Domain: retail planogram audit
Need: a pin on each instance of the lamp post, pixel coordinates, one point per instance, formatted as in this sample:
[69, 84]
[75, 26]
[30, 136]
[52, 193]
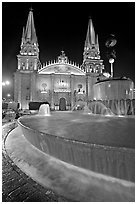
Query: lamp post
[111, 61]
[5, 84]
[111, 53]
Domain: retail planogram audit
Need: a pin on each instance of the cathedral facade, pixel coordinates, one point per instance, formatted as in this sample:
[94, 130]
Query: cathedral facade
[61, 83]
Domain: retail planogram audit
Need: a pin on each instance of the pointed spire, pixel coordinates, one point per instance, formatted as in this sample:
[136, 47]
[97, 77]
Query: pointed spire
[23, 37]
[90, 39]
[23, 33]
[30, 33]
[97, 43]
[91, 49]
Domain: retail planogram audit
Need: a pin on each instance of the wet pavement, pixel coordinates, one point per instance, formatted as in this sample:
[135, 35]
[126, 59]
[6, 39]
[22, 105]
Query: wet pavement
[16, 185]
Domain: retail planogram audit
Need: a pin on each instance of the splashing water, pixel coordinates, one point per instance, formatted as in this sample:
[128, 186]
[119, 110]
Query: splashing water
[94, 107]
[44, 110]
[99, 108]
[87, 110]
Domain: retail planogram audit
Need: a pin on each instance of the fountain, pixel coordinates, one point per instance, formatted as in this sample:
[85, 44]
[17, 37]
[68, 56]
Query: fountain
[97, 107]
[44, 110]
[86, 139]
[86, 110]
[79, 106]
[122, 107]
[98, 143]
[94, 107]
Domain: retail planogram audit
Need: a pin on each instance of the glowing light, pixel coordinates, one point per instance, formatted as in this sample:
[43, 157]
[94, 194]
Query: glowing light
[121, 116]
[109, 85]
[106, 74]
[111, 60]
[8, 95]
[107, 115]
[7, 82]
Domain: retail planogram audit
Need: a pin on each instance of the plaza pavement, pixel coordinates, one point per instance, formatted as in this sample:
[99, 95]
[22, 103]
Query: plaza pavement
[16, 185]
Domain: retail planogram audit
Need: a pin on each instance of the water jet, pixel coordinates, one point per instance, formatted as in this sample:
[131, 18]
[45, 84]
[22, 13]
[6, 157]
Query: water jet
[44, 110]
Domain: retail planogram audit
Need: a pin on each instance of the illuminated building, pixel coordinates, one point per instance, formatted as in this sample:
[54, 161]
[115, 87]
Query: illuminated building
[60, 82]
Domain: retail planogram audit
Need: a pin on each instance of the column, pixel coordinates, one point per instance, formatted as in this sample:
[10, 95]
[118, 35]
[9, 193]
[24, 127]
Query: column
[72, 90]
[19, 88]
[52, 92]
[33, 87]
[86, 88]
[18, 63]
[35, 64]
[27, 64]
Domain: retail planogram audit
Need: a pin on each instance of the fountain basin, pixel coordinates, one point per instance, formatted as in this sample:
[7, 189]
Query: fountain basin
[101, 144]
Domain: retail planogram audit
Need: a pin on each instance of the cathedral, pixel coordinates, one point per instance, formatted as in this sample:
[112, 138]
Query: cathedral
[61, 83]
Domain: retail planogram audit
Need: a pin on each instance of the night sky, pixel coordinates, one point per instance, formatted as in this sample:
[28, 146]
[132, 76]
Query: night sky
[63, 25]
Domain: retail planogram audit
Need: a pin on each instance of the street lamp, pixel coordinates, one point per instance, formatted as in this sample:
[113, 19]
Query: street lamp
[111, 53]
[4, 83]
[7, 82]
[111, 61]
[8, 95]
[5, 88]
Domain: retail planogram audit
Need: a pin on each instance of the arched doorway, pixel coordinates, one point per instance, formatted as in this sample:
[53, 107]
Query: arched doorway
[62, 104]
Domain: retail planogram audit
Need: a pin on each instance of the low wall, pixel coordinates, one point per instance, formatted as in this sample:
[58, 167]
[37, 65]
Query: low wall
[113, 161]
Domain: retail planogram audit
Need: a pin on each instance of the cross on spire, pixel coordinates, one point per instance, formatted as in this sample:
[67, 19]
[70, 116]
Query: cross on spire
[31, 9]
[62, 52]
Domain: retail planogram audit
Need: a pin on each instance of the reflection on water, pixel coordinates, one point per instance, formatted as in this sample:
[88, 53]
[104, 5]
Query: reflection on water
[110, 131]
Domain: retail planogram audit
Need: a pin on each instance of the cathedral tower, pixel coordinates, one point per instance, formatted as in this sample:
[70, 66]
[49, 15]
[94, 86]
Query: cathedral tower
[91, 55]
[28, 59]
[92, 64]
[28, 65]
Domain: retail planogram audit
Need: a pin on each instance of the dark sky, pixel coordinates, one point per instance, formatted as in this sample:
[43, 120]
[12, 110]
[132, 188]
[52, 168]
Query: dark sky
[63, 25]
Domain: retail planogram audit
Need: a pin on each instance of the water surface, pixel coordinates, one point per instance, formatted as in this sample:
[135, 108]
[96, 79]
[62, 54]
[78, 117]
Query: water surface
[109, 131]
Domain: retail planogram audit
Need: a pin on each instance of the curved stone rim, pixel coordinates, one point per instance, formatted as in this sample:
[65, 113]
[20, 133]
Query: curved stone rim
[71, 140]
[92, 186]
